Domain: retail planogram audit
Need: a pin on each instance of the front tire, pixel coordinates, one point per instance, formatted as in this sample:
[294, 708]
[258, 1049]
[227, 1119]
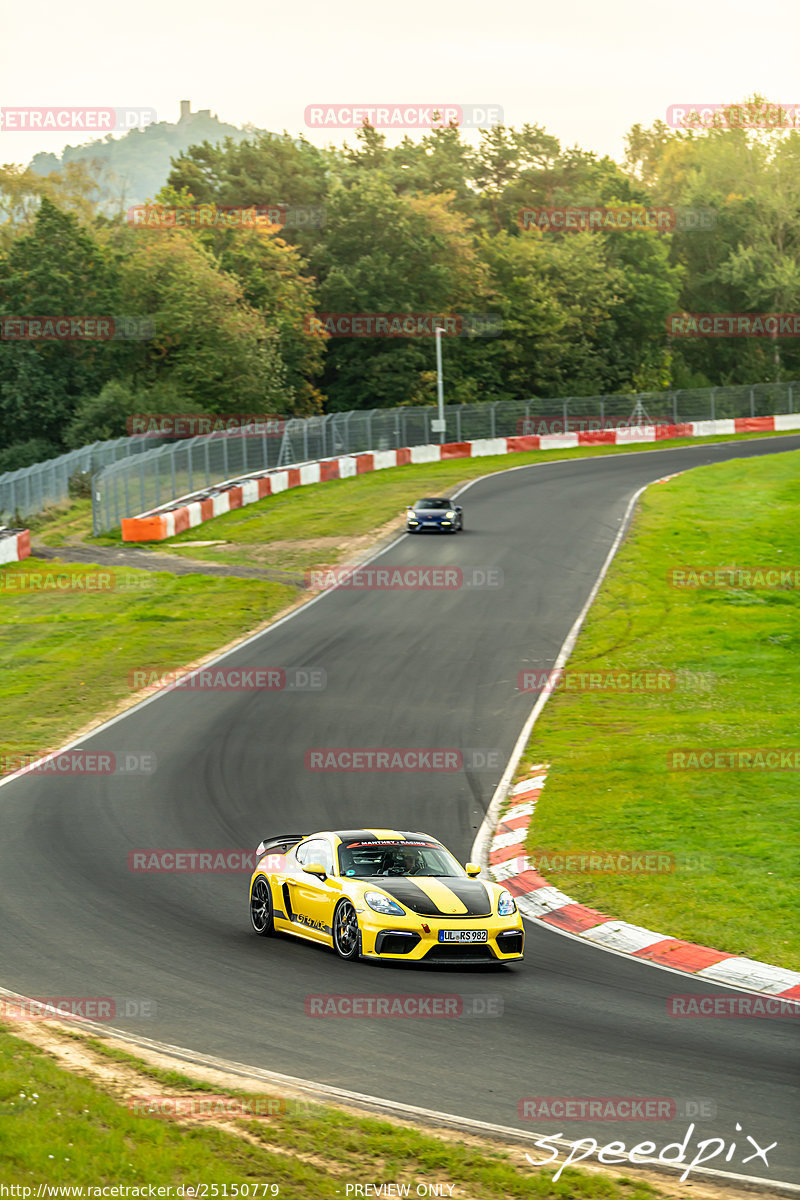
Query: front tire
[262, 916]
[346, 934]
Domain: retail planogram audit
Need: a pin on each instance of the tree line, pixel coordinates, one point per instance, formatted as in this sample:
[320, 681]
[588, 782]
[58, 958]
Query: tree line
[692, 221]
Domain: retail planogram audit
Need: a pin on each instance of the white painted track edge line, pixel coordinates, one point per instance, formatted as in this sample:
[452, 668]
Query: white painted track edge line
[327, 1093]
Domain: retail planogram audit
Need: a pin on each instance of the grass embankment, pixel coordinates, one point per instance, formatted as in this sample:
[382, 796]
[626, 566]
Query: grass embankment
[66, 656]
[734, 651]
[60, 1127]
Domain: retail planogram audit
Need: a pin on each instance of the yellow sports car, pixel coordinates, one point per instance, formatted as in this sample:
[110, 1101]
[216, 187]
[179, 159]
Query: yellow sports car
[382, 894]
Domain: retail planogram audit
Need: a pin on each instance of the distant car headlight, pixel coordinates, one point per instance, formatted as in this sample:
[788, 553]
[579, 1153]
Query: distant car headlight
[383, 904]
[506, 905]
[451, 515]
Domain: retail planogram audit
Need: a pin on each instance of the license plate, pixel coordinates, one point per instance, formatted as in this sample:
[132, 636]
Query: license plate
[463, 935]
[430, 524]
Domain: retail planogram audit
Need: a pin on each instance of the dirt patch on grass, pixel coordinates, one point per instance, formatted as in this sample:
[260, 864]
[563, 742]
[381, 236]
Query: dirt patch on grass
[70, 1046]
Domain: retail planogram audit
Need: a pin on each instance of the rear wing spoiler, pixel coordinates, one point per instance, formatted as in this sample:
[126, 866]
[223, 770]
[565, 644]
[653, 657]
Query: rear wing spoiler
[282, 843]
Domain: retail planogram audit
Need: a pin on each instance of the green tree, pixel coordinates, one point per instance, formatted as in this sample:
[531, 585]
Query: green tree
[57, 269]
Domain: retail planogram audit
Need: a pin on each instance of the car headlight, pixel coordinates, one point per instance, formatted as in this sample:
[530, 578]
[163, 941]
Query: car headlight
[383, 904]
[506, 905]
[450, 515]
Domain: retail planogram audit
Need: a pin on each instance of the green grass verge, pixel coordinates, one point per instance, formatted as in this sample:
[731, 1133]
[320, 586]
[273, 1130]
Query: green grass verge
[65, 657]
[735, 656]
[57, 1127]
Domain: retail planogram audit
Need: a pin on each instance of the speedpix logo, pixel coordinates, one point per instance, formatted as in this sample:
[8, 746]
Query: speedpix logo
[705, 1151]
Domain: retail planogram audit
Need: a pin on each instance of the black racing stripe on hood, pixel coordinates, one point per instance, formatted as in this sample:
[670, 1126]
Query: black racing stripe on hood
[472, 894]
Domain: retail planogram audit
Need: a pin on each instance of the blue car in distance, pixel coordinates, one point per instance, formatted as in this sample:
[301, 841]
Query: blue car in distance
[435, 512]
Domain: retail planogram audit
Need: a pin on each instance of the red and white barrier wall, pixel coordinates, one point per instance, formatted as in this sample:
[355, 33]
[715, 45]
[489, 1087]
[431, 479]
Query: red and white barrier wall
[176, 517]
[538, 900]
[15, 544]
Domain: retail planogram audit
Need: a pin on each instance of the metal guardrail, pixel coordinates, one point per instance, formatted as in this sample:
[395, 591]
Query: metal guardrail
[130, 475]
[128, 488]
[30, 490]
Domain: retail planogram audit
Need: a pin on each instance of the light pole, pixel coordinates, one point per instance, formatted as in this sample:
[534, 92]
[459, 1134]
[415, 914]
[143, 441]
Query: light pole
[439, 425]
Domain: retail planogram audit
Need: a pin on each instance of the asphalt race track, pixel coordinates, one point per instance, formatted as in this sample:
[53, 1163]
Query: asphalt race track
[417, 668]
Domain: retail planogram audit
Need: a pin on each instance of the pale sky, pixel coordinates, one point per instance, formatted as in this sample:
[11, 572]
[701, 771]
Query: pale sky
[586, 69]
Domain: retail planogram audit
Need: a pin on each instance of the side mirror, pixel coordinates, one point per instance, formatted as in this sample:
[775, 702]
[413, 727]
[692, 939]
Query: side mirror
[317, 869]
[472, 869]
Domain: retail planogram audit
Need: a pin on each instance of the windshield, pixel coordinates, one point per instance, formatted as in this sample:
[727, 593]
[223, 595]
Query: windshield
[432, 503]
[364, 860]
